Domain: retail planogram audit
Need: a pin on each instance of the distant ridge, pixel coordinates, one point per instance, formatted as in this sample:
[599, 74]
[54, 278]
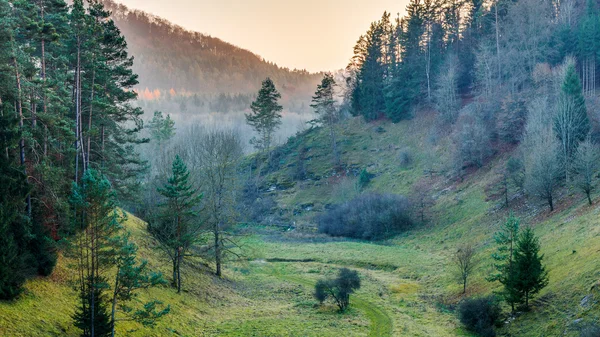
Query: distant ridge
[168, 56]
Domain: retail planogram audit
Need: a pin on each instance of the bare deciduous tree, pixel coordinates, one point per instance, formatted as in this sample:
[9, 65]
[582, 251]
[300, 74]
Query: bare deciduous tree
[220, 153]
[542, 168]
[585, 167]
[446, 94]
[466, 261]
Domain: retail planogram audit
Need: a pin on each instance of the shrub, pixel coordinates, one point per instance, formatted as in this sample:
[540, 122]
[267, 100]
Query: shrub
[406, 157]
[480, 315]
[369, 216]
[253, 205]
[364, 178]
[339, 289]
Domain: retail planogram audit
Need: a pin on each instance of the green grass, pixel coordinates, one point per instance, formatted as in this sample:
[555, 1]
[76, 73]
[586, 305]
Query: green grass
[408, 284]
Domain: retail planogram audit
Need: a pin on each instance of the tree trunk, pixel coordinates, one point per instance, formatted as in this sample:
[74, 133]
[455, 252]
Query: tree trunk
[114, 305]
[77, 107]
[217, 250]
[589, 197]
[174, 283]
[91, 115]
[19, 110]
[179, 257]
[498, 43]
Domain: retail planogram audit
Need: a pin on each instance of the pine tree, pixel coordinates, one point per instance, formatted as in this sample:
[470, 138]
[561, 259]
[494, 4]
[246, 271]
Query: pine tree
[14, 225]
[367, 94]
[177, 226]
[530, 276]
[324, 104]
[96, 222]
[266, 116]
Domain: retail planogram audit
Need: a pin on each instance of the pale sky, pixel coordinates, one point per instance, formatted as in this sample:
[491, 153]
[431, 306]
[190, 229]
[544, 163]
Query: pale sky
[305, 34]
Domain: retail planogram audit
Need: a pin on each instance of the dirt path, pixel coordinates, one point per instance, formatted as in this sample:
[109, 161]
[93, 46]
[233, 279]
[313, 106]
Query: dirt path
[381, 323]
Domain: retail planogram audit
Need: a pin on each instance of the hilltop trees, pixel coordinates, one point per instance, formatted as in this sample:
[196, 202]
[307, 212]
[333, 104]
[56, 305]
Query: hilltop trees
[266, 116]
[66, 76]
[176, 226]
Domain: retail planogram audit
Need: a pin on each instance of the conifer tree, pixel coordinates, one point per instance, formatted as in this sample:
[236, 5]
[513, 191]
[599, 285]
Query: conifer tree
[530, 276]
[131, 277]
[14, 236]
[324, 104]
[96, 223]
[161, 128]
[504, 258]
[177, 226]
[266, 116]
[571, 91]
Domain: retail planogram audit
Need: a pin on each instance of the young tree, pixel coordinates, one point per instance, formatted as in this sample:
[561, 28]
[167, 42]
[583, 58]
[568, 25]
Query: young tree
[506, 241]
[96, 221]
[530, 276]
[220, 153]
[266, 116]
[466, 261]
[421, 199]
[177, 227]
[323, 102]
[340, 288]
[131, 277]
[585, 167]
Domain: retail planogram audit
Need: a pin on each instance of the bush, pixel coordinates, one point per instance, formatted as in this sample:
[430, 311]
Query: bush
[406, 157]
[364, 178]
[339, 288]
[369, 216]
[253, 205]
[480, 315]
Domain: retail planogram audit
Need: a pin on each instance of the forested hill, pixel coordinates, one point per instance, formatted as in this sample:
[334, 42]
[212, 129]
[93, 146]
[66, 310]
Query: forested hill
[168, 56]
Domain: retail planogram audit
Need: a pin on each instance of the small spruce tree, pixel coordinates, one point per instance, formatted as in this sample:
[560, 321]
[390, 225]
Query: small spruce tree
[529, 275]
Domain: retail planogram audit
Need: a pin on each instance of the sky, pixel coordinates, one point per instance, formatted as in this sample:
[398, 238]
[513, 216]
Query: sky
[316, 35]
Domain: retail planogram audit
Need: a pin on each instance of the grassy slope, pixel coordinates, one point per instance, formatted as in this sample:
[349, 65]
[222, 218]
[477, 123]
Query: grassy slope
[464, 212]
[408, 287]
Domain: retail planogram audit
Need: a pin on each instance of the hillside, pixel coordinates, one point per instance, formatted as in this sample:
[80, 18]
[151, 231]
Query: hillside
[168, 57]
[408, 285]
